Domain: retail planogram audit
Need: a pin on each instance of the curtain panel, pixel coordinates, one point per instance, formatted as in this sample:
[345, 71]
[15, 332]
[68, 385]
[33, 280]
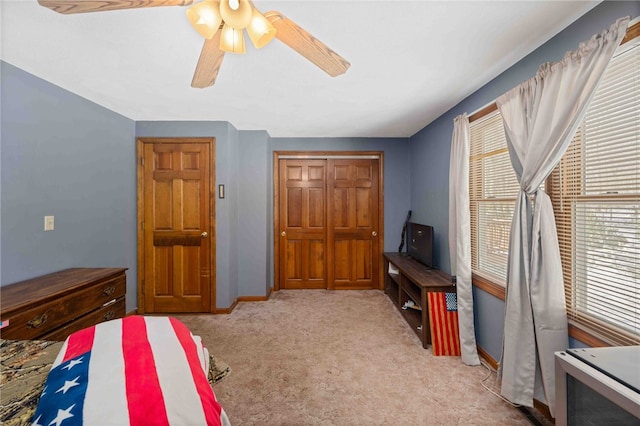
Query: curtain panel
[460, 236]
[540, 118]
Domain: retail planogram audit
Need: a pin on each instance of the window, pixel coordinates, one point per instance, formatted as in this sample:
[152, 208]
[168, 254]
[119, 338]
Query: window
[595, 192]
[492, 190]
[596, 197]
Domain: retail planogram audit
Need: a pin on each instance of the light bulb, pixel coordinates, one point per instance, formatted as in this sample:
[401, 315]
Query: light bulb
[205, 17]
[238, 17]
[260, 30]
[231, 40]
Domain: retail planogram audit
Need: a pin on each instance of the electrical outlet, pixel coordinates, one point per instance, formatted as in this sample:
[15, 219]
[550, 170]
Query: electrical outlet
[48, 223]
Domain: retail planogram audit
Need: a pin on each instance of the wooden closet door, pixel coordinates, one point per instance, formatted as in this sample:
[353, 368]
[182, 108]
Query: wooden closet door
[177, 228]
[302, 219]
[352, 230]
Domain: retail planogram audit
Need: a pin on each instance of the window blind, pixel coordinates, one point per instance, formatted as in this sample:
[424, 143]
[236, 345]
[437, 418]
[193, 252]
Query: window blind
[595, 191]
[596, 196]
[492, 189]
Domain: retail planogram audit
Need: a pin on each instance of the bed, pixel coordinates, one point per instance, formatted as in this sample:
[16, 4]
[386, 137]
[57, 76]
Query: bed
[137, 370]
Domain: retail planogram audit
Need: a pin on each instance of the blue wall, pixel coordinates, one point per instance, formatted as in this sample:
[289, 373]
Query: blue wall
[255, 214]
[430, 187]
[67, 157]
[431, 146]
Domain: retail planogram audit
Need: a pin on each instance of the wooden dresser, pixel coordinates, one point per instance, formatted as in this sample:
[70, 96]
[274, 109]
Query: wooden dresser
[53, 306]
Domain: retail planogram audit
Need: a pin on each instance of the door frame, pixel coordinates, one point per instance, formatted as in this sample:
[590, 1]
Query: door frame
[140, 143]
[310, 155]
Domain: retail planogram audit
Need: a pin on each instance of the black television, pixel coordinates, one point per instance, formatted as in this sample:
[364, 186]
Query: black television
[420, 243]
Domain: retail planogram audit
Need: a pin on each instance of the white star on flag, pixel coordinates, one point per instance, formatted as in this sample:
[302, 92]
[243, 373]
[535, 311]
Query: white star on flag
[68, 385]
[62, 415]
[73, 363]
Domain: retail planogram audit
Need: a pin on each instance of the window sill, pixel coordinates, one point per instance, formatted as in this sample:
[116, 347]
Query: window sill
[586, 337]
[490, 287]
[576, 332]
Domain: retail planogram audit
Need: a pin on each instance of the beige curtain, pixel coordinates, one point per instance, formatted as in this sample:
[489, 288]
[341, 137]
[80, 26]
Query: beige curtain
[460, 236]
[541, 117]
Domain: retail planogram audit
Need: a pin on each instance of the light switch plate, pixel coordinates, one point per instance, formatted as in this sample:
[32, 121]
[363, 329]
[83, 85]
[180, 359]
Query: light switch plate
[48, 223]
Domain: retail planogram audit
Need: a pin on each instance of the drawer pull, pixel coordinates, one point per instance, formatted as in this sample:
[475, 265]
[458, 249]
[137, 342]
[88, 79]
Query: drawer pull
[108, 291]
[38, 321]
[111, 314]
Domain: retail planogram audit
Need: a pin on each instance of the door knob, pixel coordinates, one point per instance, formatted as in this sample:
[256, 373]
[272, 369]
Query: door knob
[374, 233]
[204, 234]
[283, 233]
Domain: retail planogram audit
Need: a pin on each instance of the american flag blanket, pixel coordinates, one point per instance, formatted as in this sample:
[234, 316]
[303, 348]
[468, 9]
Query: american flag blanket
[131, 371]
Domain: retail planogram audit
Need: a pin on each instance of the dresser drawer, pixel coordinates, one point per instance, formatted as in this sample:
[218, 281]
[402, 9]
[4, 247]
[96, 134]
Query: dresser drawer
[46, 317]
[111, 311]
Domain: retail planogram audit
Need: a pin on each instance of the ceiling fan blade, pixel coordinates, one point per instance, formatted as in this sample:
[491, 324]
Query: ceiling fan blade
[307, 45]
[209, 63]
[83, 6]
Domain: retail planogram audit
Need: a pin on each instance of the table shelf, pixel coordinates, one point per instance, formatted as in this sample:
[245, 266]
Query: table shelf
[413, 281]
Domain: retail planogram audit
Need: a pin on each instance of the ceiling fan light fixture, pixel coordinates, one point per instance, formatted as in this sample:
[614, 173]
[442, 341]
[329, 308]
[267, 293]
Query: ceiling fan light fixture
[205, 17]
[236, 17]
[260, 30]
[232, 40]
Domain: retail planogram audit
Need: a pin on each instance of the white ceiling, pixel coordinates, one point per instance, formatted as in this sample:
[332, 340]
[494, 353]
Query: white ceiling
[411, 61]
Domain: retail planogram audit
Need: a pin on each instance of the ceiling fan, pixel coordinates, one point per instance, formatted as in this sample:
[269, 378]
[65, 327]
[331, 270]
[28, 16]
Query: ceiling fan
[221, 23]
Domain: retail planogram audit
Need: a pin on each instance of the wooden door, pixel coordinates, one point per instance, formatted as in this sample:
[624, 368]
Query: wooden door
[174, 193]
[328, 225]
[352, 230]
[303, 223]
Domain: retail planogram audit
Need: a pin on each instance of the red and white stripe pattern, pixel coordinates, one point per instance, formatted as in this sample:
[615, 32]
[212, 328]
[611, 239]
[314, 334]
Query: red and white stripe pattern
[142, 371]
[445, 335]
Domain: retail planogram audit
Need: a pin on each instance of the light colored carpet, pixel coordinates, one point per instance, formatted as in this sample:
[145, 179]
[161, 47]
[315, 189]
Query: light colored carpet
[318, 357]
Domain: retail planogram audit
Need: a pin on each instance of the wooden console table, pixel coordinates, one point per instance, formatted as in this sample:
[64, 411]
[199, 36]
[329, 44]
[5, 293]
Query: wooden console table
[412, 282]
[53, 306]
